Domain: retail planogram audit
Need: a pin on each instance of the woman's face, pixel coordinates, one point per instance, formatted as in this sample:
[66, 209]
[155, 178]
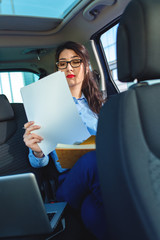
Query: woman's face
[74, 76]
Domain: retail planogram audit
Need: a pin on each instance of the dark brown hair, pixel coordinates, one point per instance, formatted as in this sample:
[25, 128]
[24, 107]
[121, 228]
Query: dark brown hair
[89, 87]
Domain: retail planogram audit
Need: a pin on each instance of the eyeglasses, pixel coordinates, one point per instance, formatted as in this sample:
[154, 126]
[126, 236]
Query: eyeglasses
[74, 63]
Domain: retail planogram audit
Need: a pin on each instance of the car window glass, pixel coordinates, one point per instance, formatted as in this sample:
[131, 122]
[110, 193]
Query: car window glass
[108, 42]
[12, 82]
[37, 8]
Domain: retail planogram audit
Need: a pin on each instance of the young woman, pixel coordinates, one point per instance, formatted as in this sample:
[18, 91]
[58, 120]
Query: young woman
[80, 185]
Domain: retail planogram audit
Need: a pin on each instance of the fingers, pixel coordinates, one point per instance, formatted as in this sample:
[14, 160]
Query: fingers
[28, 124]
[29, 127]
[33, 135]
[30, 138]
[33, 144]
[32, 141]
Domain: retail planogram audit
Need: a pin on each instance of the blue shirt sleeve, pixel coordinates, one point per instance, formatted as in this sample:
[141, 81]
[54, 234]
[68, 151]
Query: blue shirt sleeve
[37, 162]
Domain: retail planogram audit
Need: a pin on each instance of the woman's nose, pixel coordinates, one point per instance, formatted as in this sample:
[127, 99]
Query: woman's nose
[69, 67]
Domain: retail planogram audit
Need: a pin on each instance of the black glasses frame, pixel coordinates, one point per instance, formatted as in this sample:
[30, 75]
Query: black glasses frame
[70, 62]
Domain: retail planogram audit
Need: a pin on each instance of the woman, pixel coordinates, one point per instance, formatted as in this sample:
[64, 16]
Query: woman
[78, 186]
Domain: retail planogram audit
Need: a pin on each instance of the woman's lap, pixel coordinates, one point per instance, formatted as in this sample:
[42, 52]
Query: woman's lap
[80, 181]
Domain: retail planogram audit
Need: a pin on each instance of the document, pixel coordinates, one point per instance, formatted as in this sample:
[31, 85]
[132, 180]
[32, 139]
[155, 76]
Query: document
[49, 103]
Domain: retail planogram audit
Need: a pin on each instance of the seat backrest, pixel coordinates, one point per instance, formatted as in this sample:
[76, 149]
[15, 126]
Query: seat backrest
[128, 135]
[13, 152]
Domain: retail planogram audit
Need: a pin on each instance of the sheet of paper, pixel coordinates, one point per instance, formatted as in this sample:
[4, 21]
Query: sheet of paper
[49, 103]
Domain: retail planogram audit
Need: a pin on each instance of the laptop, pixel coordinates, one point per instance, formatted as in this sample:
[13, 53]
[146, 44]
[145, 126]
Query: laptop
[22, 211]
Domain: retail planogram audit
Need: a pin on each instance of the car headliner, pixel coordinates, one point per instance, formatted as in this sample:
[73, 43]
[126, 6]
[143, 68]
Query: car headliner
[23, 38]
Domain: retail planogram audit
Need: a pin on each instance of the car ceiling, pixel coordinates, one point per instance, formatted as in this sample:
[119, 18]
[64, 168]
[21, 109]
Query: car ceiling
[29, 42]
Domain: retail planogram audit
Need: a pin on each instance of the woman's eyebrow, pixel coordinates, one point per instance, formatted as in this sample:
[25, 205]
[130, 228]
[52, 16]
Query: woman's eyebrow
[71, 57]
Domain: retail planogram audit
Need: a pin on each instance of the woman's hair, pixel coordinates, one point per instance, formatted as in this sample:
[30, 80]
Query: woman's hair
[89, 86]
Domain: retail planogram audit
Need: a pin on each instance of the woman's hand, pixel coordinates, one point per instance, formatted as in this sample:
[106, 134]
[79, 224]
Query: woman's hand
[31, 139]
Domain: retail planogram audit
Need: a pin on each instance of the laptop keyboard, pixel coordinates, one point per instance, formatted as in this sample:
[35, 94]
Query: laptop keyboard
[50, 215]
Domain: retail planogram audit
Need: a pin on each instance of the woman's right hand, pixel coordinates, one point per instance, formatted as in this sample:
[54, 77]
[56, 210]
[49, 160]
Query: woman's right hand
[31, 139]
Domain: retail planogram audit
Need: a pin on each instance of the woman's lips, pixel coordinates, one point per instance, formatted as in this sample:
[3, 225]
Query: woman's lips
[70, 76]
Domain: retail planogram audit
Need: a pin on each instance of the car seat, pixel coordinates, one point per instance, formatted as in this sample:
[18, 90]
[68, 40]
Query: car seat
[13, 152]
[128, 135]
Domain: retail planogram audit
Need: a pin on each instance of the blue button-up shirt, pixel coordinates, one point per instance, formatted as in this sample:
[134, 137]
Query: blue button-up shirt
[89, 118]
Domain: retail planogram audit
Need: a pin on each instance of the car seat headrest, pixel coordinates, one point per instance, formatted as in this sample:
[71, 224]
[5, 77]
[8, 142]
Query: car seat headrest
[6, 111]
[7, 120]
[138, 41]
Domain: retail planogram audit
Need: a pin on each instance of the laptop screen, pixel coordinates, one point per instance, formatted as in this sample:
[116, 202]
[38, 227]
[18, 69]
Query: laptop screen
[22, 209]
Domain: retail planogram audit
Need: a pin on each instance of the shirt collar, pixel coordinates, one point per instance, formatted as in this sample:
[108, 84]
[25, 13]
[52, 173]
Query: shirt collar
[81, 98]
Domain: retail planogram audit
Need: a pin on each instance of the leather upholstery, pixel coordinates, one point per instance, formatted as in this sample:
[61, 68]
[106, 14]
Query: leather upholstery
[7, 122]
[13, 152]
[6, 111]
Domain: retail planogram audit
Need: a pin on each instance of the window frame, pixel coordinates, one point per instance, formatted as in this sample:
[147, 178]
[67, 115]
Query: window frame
[110, 83]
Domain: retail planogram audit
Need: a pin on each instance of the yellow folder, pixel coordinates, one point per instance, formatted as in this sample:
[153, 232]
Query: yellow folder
[69, 154]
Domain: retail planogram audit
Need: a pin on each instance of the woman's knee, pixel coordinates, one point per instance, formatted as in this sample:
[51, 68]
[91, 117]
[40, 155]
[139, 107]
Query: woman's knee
[88, 160]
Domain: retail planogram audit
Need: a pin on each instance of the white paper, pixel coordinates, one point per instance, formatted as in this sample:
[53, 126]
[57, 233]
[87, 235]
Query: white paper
[49, 103]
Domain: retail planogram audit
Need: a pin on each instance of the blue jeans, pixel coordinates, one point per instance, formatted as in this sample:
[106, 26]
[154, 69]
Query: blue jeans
[80, 188]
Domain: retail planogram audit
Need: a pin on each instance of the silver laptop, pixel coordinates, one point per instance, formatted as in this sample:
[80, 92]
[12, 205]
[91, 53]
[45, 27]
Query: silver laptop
[22, 211]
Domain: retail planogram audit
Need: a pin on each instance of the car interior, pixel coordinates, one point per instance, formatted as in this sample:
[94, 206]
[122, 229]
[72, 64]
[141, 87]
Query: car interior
[122, 39]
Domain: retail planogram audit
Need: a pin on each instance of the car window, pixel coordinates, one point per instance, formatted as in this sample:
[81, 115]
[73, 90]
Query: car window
[12, 82]
[108, 43]
[37, 8]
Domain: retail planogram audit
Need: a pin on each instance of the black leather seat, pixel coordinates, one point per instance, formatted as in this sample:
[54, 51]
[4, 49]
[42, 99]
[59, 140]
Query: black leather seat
[128, 136]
